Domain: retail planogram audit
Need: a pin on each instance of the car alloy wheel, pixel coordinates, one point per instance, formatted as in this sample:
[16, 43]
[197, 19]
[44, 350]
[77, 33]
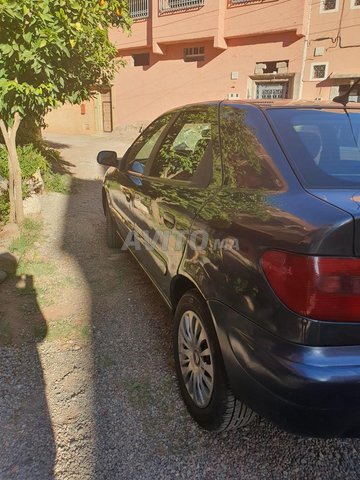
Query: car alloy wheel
[195, 359]
[200, 368]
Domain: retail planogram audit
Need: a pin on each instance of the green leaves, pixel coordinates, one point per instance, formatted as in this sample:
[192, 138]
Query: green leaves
[28, 37]
[6, 49]
[55, 51]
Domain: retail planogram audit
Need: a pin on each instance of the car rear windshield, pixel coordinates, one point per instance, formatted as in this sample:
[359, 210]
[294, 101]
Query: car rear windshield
[324, 144]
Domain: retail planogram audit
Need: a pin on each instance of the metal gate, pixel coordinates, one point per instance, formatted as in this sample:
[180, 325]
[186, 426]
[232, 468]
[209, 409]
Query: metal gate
[106, 101]
[271, 90]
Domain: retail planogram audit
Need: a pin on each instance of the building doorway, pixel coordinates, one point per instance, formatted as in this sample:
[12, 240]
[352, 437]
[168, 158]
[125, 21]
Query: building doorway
[107, 116]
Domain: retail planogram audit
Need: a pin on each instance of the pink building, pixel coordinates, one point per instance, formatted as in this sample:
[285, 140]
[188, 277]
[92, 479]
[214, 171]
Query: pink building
[184, 51]
[332, 49]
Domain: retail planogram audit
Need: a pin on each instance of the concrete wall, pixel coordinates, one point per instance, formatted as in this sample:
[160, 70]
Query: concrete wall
[236, 37]
[341, 54]
[215, 20]
[142, 93]
[75, 119]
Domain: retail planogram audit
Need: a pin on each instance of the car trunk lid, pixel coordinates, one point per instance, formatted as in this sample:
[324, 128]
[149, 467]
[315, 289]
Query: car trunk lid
[348, 201]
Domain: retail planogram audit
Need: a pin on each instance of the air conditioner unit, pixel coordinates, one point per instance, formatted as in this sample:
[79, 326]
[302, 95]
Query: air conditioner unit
[319, 51]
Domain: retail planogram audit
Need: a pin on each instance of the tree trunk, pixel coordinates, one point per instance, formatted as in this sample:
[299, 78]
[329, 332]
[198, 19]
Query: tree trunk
[11, 193]
[15, 183]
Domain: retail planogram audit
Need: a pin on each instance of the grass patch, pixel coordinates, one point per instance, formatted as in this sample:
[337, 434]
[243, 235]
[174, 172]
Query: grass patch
[68, 329]
[67, 282]
[45, 297]
[35, 268]
[30, 233]
[57, 182]
[48, 295]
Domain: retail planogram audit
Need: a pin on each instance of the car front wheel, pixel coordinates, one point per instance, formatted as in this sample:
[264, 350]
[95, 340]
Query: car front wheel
[200, 369]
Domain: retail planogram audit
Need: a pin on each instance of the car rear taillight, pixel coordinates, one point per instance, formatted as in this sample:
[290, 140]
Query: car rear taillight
[323, 288]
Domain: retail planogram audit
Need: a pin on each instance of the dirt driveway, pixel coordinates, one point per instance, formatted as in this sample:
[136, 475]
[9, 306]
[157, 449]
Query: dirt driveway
[92, 395]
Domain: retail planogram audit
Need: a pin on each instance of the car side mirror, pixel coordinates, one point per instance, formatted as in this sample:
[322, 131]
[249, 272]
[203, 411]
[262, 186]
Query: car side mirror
[108, 158]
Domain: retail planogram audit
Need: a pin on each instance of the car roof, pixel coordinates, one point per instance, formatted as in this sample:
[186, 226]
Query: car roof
[264, 104]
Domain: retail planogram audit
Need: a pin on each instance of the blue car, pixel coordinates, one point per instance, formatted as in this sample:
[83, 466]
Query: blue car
[246, 217]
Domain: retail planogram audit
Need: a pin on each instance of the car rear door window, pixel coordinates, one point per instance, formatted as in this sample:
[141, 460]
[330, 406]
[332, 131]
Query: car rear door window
[186, 152]
[323, 144]
[247, 144]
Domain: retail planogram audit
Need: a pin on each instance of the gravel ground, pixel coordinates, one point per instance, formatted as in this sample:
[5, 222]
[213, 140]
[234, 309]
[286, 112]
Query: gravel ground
[96, 398]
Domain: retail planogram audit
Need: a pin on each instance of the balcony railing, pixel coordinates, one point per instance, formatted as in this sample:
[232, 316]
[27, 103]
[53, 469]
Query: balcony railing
[239, 2]
[138, 9]
[176, 5]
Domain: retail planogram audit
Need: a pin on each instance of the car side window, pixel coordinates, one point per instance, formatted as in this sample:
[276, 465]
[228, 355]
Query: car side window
[186, 151]
[246, 151]
[140, 155]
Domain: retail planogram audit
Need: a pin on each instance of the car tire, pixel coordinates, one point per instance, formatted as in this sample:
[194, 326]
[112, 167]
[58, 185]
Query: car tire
[220, 410]
[112, 238]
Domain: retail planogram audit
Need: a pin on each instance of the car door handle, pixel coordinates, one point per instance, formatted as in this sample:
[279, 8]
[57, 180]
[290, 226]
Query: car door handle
[128, 196]
[169, 220]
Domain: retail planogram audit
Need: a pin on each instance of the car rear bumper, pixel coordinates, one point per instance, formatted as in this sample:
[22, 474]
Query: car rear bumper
[304, 389]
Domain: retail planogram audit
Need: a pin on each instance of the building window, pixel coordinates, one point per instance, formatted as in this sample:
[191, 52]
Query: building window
[329, 5]
[271, 90]
[354, 94]
[238, 2]
[141, 59]
[194, 54]
[138, 9]
[275, 67]
[174, 5]
[355, 3]
[319, 71]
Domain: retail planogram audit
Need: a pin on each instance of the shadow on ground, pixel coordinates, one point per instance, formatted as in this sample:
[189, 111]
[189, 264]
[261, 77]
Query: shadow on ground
[136, 423]
[57, 162]
[142, 429]
[26, 433]
[57, 145]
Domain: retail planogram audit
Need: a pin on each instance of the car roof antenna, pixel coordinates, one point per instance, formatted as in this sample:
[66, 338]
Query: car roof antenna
[344, 98]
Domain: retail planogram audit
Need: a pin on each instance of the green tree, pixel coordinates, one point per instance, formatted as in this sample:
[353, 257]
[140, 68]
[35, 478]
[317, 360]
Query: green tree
[51, 52]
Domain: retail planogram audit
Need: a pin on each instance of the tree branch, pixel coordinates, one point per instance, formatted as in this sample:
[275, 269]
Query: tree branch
[17, 121]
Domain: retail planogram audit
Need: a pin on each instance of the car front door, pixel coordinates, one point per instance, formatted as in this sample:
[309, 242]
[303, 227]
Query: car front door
[185, 171]
[118, 189]
[121, 185]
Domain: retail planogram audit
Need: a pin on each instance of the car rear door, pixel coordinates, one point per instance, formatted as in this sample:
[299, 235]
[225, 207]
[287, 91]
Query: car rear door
[185, 171]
